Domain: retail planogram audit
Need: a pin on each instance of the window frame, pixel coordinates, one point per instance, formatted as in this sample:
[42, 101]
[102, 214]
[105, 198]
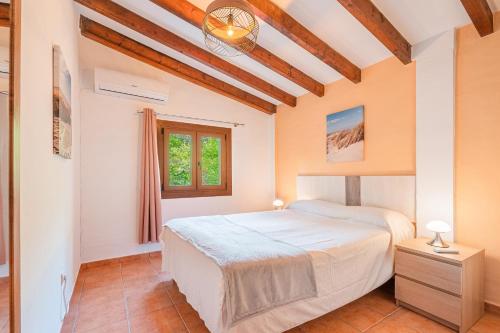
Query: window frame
[164, 128]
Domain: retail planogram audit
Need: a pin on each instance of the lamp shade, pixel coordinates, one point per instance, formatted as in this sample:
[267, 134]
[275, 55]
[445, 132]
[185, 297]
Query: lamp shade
[278, 203]
[230, 27]
[438, 226]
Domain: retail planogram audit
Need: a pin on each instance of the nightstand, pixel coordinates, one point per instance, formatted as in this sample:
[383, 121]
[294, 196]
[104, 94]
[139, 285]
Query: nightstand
[448, 288]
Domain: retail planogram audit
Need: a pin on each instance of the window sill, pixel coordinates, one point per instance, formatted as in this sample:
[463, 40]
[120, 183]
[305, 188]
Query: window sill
[195, 194]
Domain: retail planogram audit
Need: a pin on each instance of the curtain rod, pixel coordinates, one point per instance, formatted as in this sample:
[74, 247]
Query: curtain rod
[235, 124]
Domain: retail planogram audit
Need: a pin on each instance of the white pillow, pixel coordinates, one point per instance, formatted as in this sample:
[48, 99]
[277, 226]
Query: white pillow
[381, 217]
[323, 208]
[377, 216]
[397, 223]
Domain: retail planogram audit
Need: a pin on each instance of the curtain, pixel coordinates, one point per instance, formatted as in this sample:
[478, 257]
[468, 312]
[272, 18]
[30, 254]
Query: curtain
[150, 195]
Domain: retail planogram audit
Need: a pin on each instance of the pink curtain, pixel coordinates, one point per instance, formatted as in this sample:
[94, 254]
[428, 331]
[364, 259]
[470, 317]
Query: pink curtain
[2, 242]
[150, 206]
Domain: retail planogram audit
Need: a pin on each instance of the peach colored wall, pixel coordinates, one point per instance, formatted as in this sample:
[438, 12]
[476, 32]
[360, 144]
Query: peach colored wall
[477, 173]
[388, 93]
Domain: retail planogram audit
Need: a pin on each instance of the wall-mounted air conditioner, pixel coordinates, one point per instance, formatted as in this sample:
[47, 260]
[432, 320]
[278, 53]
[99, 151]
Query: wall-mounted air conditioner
[123, 85]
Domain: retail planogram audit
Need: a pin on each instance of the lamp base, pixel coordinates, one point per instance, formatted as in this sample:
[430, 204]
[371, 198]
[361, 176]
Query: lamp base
[438, 241]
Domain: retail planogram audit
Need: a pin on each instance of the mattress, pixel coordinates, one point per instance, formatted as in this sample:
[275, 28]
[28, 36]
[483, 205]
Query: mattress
[350, 258]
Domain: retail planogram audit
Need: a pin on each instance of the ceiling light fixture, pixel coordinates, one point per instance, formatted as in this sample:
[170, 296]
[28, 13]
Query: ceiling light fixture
[230, 27]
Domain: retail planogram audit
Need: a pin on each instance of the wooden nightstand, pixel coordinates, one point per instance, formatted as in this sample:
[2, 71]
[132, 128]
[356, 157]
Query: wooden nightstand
[448, 288]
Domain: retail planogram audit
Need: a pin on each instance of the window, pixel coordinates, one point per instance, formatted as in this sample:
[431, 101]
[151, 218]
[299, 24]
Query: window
[195, 160]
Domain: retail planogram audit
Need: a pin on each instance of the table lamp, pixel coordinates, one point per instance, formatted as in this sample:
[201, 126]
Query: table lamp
[278, 204]
[438, 227]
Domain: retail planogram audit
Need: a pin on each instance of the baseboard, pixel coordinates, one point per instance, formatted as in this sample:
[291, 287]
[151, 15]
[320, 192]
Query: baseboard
[489, 307]
[116, 250]
[119, 260]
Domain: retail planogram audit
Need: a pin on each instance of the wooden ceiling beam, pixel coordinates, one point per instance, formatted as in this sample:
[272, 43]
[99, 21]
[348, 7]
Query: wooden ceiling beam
[373, 20]
[194, 15]
[112, 39]
[151, 30]
[481, 15]
[4, 15]
[291, 28]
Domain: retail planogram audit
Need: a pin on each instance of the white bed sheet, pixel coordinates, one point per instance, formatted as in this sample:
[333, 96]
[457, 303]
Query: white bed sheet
[350, 259]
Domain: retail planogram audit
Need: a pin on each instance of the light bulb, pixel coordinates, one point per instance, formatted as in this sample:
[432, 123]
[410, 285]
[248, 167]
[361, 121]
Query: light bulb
[230, 26]
[278, 203]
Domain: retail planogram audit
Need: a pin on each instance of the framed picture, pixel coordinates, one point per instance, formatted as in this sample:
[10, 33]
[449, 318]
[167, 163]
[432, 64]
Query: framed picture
[62, 136]
[345, 135]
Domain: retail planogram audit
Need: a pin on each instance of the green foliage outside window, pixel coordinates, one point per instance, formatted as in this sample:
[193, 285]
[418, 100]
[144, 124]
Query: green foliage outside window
[210, 160]
[180, 157]
[180, 152]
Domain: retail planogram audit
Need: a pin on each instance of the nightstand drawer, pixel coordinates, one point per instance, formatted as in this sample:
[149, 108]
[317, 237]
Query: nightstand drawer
[432, 272]
[438, 303]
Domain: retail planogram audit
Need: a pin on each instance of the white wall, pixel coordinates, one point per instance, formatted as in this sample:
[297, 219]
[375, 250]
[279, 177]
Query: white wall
[49, 192]
[4, 175]
[435, 128]
[111, 148]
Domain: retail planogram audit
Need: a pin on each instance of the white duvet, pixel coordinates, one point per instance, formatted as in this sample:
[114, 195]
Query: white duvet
[351, 250]
[260, 272]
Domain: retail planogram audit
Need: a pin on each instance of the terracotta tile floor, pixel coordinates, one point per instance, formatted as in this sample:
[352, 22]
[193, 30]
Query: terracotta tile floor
[131, 295]
[4, 304]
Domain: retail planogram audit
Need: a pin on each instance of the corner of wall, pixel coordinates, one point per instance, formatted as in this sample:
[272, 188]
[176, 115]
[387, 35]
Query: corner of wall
[435, 130]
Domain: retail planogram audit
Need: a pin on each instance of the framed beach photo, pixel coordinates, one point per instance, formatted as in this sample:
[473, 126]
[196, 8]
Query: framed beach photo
[345, 135]
[62, 131]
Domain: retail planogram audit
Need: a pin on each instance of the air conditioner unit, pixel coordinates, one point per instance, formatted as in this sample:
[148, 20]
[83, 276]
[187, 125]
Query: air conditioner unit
[123, 85]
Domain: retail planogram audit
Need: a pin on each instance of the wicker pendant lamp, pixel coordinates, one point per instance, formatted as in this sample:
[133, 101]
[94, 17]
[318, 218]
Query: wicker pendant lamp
[230, 27]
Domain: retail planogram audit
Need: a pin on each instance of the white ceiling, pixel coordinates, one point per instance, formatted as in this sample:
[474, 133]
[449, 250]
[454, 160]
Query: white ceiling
[417, 20]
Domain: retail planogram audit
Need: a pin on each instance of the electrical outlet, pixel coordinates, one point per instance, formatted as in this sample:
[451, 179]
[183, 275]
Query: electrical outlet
[63, 296]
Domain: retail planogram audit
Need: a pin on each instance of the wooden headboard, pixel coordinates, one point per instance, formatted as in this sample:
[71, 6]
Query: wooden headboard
[391, 192]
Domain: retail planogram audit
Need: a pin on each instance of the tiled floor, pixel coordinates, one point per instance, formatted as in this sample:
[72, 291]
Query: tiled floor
[130, 295]
[4, 304]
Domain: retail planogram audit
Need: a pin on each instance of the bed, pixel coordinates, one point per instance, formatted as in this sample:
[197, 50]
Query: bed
[346, 243]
